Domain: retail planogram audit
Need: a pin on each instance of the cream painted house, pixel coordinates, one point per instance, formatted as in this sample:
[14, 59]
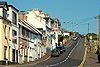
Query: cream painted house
[5, 35]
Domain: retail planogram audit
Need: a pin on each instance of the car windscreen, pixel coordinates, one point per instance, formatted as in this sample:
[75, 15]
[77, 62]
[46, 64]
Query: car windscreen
[54, 51]
[59, 48]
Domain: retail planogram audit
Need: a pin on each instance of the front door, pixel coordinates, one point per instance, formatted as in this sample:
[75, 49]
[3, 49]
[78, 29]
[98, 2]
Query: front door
[13, 55]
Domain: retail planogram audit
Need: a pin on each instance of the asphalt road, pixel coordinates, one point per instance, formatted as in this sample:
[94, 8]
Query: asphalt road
[71, 58]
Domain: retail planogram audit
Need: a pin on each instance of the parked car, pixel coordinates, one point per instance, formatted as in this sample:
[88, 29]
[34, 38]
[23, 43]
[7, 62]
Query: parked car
[64, 48]
[60, 48]
[55, 52]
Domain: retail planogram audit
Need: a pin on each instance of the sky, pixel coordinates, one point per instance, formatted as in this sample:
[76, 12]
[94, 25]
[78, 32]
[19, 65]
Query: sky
[74, 15]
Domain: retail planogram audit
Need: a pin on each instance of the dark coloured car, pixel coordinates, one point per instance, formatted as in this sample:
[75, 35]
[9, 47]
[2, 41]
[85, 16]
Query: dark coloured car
[64, 48]
[55, 52]
[60, 49]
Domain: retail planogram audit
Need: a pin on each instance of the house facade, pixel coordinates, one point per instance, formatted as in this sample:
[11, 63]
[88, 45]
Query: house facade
[36, 18]
[13, 17]
[25, 36]
[29, 40]
[56, 29]
[50, 27]
[5, 35]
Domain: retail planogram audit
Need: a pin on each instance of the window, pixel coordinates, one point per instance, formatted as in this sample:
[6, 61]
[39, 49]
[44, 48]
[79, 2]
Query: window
[5, 29]
[23, 32]
[5, 49]
[4, 13]
[27, 34]
[14, 18]
[14, 33]
[33, 36]
[9, 32]
[30, 35]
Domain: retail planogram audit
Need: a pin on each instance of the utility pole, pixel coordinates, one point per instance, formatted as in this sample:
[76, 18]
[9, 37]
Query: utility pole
[88, 28]
[88, 33]
[99, 29]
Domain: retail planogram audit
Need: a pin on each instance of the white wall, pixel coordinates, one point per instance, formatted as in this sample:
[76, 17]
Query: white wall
[14, 27]
[66, 34]
[1, 12]
[35, 21]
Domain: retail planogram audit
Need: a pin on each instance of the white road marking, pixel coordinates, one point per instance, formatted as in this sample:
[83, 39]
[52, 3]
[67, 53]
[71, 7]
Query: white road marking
[69, 54]
[42, 61]
[67, 57]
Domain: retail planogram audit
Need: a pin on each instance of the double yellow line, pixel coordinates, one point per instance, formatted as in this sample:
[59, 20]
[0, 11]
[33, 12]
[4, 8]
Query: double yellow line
[84, 58]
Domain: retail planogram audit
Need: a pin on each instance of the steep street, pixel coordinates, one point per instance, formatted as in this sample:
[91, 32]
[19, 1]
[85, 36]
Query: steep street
[71, 58]
[49, 33]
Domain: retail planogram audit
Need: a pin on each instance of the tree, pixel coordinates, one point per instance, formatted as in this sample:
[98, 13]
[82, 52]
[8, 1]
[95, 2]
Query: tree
[60, 38]
[94, 36]
[66, 37]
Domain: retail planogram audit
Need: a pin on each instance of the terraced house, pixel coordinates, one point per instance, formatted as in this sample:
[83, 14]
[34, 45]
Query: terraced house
[25, 36]
[13, 17]
[42, 21]
[29, 40]
[5, 35]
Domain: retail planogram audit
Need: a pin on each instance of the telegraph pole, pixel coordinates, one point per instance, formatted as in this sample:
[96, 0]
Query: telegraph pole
[99, 29]
[88, 27]
[88, 33]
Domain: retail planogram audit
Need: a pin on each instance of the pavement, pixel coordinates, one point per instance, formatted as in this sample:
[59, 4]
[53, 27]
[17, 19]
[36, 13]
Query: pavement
[44, 58]
[91, 60]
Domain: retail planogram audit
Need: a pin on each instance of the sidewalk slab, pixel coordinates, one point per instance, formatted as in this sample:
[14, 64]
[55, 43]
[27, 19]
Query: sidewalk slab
[46, 57]
[91, 60]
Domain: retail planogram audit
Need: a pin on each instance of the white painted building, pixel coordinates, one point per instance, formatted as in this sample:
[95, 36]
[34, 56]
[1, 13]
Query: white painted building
[41, 20]
[30, 40]
[66, 33]
[13, 17]
[34, 18]
[56, 29]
